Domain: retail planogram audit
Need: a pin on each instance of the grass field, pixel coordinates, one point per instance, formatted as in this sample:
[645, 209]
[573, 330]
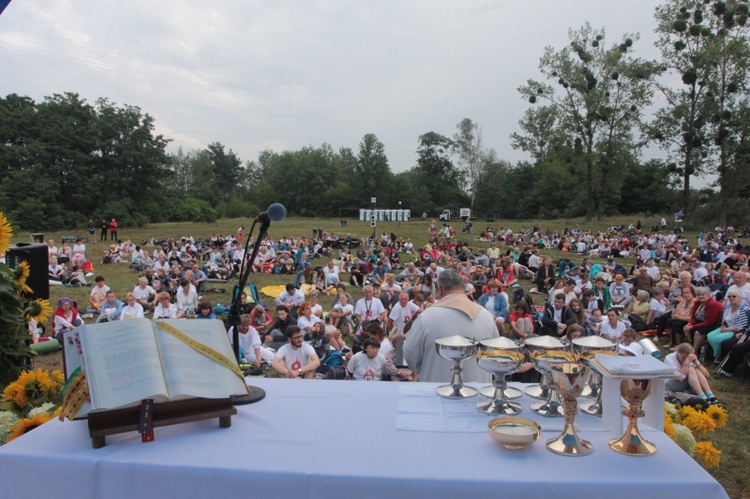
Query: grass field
[733, 440]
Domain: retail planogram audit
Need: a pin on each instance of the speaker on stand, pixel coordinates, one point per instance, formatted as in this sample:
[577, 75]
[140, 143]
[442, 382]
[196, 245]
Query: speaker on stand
[36, 255]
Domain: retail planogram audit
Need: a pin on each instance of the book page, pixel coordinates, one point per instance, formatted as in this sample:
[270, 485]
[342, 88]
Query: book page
[73, 359]
[189, 373]
[122, 363]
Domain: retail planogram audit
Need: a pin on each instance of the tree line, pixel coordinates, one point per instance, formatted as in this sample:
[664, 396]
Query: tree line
[65, 160]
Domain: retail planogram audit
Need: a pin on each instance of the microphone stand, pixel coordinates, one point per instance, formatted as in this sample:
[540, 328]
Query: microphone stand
[256, 393]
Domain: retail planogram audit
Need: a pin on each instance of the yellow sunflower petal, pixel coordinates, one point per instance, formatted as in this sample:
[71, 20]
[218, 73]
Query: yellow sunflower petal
[26, 425]
[706, 452]
[23, 271]
[45, 311]
[6, 233]
[718, 414]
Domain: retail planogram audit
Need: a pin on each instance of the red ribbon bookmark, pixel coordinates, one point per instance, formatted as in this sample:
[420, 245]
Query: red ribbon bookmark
[146, 421]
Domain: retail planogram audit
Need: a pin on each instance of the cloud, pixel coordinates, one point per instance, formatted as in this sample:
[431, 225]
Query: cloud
[259, 74]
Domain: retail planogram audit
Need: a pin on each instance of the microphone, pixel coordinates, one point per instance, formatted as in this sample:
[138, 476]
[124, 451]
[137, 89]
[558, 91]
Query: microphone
[275, 213]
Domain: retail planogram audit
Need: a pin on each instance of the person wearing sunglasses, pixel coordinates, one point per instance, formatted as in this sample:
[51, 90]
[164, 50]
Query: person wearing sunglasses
[733, 322]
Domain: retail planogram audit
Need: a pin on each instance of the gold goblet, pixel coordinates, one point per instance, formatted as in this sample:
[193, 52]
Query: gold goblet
[569, 378]
[634, 391]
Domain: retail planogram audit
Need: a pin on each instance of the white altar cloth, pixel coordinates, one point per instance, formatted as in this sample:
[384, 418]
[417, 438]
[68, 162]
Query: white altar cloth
[331, 439]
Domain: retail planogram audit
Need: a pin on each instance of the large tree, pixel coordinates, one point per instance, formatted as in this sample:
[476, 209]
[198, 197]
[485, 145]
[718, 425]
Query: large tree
[598, 93]
[704, 44]
[65, 160]
[437, 173]
[472, 157]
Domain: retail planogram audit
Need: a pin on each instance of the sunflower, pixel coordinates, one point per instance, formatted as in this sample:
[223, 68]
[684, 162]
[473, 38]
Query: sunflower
[706, 452]
[39, 310]
[58, 376]
[23, 271]
[700, 423]
[718, 414]
[684, 412]
[47, 385]
[6, 233]
[16, 392]
[26, 425]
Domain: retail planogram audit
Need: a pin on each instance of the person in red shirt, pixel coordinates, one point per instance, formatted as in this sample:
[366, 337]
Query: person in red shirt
[113, 230]
[521, 322]
[706, 316]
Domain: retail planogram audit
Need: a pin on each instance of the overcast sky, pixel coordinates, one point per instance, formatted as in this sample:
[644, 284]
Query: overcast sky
[284, 74]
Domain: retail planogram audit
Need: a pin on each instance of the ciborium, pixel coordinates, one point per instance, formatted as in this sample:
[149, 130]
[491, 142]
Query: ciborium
[543, 362]
[456, 349]
[538, 344]
[595, 383]
[592, 343]
[501, 343]
[569, 378]
[499, 363]
[634, 391]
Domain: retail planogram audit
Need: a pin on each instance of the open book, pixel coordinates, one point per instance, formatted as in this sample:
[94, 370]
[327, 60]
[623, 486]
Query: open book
[131, 360]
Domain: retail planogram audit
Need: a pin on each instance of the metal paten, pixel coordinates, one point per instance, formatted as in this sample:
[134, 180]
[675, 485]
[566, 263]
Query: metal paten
[456, 349]
[537, 344]
[500, 363]
[595, 383]
[569, 379]
[587, 344]
[543, 362]
[501, 343]
[514, 433]
[634, 391]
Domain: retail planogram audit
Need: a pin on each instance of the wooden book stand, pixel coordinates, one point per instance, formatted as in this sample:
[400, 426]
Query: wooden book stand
[115, 421]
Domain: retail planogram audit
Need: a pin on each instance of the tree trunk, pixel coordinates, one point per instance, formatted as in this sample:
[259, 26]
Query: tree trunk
[589, 189]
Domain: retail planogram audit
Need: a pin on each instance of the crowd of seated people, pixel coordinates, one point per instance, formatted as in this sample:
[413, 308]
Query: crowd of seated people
[642, 281]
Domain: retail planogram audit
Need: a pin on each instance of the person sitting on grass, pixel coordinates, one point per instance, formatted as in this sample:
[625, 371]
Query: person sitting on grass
[133, 309]
[613, 327]
[66, 318]
[252, 350]
[56, 271]
[276, 336]
[97, 296]
[205, 311]
[164, 309]
[521, 322]
[296, 359]
[368, 364]
[145, 294]
[693, 375]
[111, 308]
[187, 299]
[260, 319]
[496, 303]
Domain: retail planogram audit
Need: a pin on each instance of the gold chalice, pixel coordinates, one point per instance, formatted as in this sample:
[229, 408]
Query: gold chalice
[634, 391]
